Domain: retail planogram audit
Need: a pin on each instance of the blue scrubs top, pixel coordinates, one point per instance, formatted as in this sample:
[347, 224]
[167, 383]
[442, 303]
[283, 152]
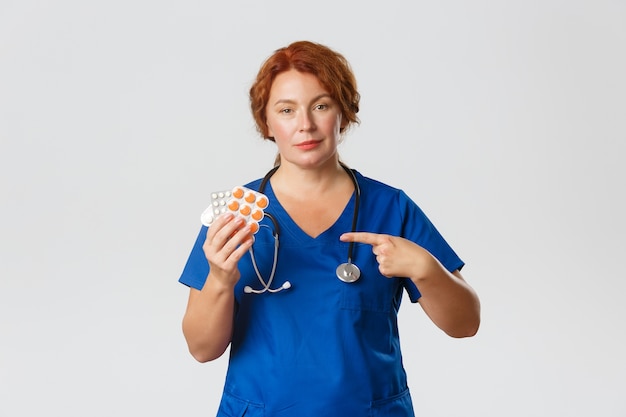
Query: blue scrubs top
[323, 347]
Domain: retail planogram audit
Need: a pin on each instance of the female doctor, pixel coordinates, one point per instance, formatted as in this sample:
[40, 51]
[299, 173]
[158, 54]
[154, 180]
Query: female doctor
[312, 322]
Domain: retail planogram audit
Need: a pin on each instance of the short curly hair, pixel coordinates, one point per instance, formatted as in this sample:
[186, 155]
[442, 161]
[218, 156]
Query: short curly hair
[330, 67]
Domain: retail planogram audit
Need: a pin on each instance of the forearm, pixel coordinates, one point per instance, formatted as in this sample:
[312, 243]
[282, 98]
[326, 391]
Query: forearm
[449, 301]
[208, 321]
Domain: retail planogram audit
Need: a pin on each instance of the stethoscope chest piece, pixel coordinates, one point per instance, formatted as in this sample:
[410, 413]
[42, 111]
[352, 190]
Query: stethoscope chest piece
[348, 272]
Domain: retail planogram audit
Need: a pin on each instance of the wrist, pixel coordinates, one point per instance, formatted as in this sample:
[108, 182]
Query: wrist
[219, 285]
[425, 268]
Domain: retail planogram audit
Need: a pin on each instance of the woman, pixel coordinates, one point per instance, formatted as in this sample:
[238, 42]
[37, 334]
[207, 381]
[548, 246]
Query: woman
[318, 345]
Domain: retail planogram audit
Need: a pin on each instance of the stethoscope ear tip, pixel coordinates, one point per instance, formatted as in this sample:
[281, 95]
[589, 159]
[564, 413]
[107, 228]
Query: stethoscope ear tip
[248, 289]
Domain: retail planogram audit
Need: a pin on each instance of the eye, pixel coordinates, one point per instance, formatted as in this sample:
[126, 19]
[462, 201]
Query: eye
[321, 107]
[286, 111]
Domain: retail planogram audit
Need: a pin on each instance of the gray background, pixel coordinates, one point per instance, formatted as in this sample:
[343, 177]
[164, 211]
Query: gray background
[504, 120]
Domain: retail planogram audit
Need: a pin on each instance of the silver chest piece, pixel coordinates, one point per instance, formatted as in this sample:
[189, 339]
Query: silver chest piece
[348, 272]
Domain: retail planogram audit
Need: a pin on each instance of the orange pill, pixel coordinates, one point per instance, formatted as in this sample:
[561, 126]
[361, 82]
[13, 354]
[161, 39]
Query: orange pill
[257, 215]
[250, 197]
[238, 192]
[245, 210]
[254, 227]
[233, 205]
[262, 202]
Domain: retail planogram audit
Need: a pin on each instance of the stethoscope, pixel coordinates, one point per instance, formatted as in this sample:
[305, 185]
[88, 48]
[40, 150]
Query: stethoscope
[346, 272]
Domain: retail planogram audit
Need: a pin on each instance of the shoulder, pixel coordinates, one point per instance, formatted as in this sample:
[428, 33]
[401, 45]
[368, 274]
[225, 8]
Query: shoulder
[377, 188]
[254, 185]
[383, 197]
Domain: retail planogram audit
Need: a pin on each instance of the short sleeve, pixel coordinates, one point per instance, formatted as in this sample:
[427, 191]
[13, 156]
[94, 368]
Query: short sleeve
[417, 227]
[197, 267]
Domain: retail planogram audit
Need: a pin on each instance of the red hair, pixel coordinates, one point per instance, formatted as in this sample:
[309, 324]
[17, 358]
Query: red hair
[331, 68]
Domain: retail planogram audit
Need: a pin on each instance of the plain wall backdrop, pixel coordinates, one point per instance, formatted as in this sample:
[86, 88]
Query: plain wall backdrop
[504, 120]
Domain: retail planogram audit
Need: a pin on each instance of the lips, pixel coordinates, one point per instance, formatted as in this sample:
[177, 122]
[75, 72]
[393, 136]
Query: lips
[309, 144]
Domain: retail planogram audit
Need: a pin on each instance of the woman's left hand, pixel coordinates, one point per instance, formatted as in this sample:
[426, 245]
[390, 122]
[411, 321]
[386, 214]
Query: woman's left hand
[396, 256]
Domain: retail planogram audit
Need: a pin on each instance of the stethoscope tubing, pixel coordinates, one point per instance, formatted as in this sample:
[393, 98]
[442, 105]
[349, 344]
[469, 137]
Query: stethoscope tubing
[346, 272]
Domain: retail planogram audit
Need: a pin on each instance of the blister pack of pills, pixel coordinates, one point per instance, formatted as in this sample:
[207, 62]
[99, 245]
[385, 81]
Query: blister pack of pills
[240, 201]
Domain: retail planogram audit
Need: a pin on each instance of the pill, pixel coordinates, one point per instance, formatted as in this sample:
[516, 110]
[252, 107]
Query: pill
[256, 214]
[250, 197]
[262, 202]
[238, 192]
[233, 205]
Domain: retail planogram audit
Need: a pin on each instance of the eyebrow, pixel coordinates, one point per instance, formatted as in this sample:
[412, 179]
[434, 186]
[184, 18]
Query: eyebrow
[291, 101]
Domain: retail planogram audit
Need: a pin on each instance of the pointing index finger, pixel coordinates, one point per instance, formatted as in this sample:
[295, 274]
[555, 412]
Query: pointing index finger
[361, 237]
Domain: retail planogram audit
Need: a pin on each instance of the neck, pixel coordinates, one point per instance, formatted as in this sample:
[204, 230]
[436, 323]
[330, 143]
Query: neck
[294, 180]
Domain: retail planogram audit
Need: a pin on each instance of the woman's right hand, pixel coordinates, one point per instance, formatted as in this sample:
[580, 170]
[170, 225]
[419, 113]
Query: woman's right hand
[208, 321]
[227, 240]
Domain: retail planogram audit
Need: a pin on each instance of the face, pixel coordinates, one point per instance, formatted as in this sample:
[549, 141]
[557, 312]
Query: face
[303, 119]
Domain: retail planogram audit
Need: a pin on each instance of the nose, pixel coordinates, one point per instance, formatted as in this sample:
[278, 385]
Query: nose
[306, 121]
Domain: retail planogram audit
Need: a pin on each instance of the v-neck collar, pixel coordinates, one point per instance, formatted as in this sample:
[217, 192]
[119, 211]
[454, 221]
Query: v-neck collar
[287, 225]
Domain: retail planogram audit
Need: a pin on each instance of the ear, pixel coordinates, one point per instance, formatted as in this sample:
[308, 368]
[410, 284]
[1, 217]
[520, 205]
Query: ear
[344, 124]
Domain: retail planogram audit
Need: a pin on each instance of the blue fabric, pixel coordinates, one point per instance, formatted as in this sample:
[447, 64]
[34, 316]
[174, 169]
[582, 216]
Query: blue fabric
[322, 347]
